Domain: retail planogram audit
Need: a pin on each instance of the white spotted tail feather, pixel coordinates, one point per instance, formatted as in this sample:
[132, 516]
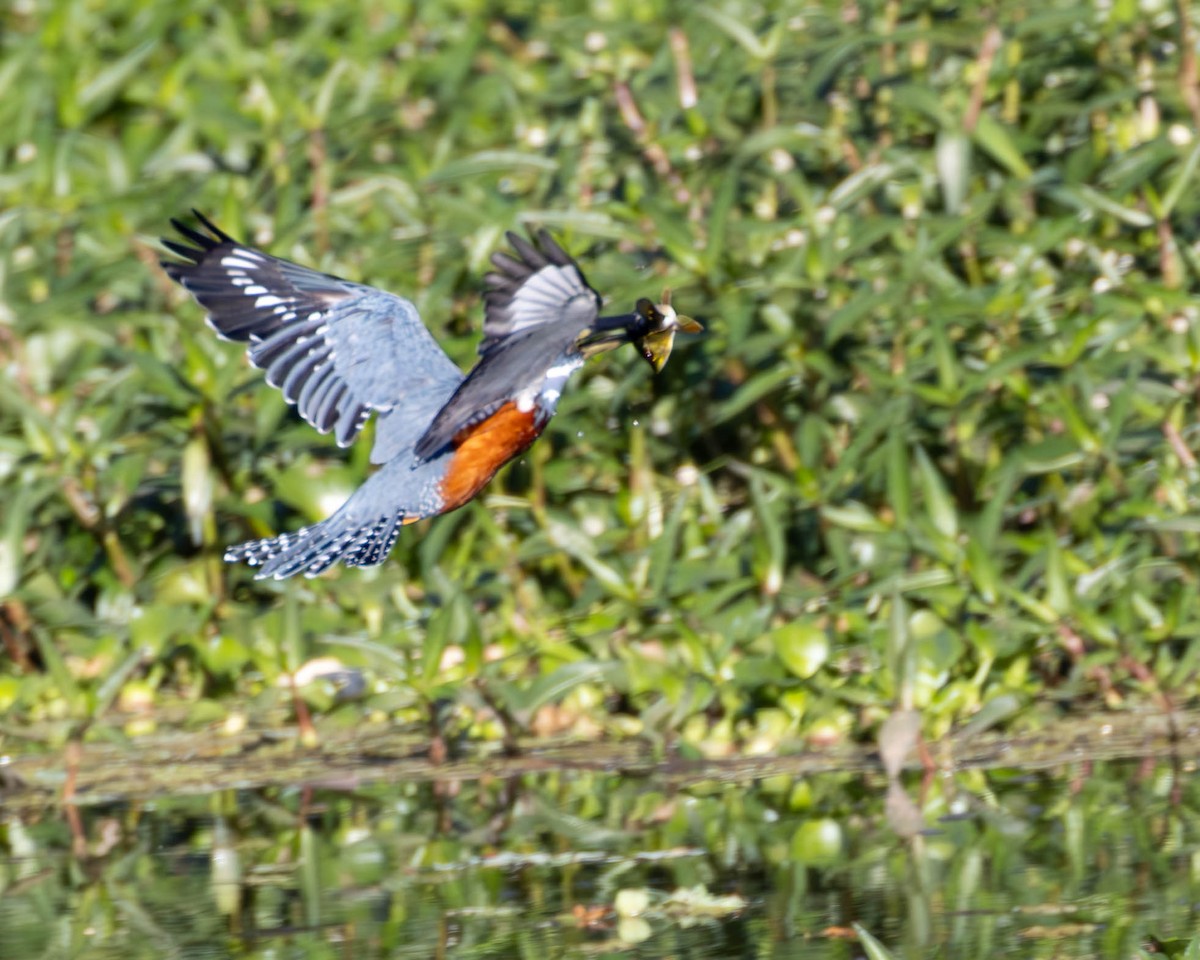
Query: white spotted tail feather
[313, 550]
[361, 533]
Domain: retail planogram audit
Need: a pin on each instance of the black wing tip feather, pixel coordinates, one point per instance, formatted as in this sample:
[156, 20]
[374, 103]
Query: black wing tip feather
[218, 236]
[532, 254]
[205, 243]
[212, 227]
[508, 269]
[552, 250]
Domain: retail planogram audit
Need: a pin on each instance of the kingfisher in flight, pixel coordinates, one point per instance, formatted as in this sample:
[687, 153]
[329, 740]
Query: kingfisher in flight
[339, 351]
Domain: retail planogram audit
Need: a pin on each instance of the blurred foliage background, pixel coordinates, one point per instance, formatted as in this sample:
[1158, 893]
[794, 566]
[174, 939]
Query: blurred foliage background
[937, 448]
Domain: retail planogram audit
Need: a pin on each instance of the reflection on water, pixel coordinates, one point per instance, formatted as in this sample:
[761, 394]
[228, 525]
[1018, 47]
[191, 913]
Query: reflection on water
[1082, 860]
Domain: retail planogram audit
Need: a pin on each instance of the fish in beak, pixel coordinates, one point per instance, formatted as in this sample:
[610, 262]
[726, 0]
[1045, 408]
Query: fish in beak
[651, 328]
[662, 322]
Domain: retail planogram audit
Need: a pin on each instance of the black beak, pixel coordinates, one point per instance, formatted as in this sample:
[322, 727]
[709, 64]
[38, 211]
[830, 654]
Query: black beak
[608, 333]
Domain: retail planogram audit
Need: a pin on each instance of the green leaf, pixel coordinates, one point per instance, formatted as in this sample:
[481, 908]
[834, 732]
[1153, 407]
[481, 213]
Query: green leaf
[874, 949]
[740, 32]
[997, 141]
[580, 547]
[492, 161]
[554, 686]
[1184, 181]
[802, 645]
[116, 75]
[938, 504]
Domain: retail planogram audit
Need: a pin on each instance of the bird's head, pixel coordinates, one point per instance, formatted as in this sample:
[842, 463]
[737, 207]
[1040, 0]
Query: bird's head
[651, 328]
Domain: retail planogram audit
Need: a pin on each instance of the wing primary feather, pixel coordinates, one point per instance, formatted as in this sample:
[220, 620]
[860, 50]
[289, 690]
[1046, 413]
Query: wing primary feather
[264, 354]
[316, 410]
[316, 383]
[349, 423]
[526, 251]
[209, 225]
[552, 251]
[278, 371]
[326, 417]
[514, 268]
[498, 281]
[298, 376]
[184, 251]
[204, 242]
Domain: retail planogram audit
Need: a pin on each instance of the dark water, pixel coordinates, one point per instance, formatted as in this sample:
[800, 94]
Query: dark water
[1095, 858]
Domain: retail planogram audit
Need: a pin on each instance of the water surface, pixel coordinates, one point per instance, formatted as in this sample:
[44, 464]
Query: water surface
[1083, 846]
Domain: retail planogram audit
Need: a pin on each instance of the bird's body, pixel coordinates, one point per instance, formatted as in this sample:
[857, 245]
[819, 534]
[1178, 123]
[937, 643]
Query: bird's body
[340, 351]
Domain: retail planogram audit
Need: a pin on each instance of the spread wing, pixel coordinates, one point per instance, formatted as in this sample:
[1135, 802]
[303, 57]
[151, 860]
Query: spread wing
[542, 286]
[337, 350]
[536, 305]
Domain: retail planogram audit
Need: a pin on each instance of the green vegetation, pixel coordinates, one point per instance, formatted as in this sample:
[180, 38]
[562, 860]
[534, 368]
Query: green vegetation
[937, 448]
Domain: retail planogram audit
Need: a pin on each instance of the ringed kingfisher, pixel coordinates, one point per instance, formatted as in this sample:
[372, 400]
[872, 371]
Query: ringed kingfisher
[340, 351]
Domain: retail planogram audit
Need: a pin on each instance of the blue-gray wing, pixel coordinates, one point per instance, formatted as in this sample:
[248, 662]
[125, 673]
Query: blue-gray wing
[541, 286]
[337, 350]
